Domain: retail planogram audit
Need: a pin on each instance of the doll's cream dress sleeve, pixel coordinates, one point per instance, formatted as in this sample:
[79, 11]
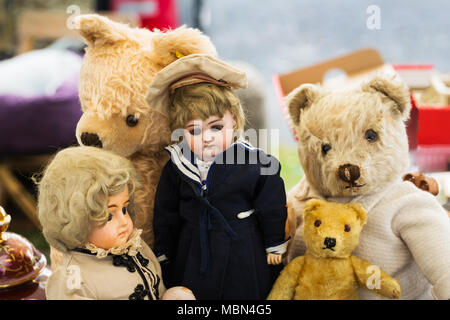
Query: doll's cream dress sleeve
[67, 283]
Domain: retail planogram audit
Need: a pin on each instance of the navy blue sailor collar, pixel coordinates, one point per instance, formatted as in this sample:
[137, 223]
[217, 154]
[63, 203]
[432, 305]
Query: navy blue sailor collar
[186, 161]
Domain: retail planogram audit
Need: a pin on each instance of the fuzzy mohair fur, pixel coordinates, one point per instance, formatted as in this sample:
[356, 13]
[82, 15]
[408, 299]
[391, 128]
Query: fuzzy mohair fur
[341, 119]
[119, 64]
[325, 274]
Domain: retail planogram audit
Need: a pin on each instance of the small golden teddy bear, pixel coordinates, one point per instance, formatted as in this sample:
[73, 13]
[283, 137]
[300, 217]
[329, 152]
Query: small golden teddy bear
[328, 271]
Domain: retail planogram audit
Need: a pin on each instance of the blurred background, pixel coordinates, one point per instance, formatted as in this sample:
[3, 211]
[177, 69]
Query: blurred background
[273, 41]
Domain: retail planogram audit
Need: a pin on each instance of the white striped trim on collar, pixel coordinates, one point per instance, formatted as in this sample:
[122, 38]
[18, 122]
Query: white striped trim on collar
[185, 161]
[183, 164]
[187, 167]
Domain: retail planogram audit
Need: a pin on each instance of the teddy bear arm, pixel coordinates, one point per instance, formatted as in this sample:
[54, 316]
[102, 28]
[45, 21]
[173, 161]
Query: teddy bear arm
[373, 278]
[284, 287]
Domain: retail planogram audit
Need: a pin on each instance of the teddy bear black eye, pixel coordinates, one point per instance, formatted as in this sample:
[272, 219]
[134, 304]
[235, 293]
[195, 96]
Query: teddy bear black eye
[132, 121]
[371, 135]
[325, 148]
[347, 228]
[317, 223]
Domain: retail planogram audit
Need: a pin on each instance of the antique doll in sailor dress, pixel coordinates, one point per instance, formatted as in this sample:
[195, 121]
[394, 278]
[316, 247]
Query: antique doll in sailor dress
[220, 209]
[85, 207]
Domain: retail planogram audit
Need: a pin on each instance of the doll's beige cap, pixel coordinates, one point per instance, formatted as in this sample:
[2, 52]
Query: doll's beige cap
[190, 69]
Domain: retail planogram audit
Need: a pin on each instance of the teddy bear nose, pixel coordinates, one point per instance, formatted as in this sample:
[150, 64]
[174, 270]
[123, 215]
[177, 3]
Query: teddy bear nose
[91, 140]
[329, 242]
[348, 172]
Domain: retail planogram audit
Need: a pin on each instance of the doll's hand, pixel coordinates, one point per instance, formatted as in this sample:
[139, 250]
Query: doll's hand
[273, 258]
[178, 293]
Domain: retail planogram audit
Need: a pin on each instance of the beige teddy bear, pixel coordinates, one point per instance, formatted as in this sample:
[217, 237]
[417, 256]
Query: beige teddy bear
[353, 148]
[119, 64]
[328, 270]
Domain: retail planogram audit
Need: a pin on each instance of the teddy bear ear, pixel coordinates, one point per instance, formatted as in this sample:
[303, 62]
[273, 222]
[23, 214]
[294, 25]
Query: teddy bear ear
[391, 87]
[98, 30]
[312, 205]
[360, 212]
[172, 45]
[299, 99]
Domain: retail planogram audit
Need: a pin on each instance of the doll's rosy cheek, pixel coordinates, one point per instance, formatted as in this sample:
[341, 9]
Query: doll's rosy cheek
[103, 237]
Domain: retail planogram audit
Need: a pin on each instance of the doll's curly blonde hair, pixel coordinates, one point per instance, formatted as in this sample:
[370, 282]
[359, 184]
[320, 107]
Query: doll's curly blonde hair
[73, 193]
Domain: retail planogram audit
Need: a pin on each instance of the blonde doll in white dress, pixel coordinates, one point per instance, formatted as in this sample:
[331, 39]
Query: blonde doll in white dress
[86, 208]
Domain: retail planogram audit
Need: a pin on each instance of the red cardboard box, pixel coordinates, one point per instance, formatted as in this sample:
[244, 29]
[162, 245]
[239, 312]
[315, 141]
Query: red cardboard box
[161, 14]
[428, 125]
[434, 125]
[433, 150]
[434, 121]
[356, 66]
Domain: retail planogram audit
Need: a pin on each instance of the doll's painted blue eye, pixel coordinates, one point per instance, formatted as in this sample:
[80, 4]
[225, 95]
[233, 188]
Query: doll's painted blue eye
[124, 210]
[195, 131]
[110, 216]
[217, 127]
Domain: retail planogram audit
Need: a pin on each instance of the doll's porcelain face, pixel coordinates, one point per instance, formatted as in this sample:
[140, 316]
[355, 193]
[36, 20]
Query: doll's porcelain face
[119, 226]
[210, 137]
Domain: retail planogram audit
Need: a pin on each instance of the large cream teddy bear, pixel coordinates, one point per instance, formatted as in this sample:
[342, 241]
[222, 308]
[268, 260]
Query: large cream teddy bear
[119, 64]
[353, 148]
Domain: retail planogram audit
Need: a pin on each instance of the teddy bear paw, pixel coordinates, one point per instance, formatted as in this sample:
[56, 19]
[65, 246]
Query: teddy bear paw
[395, 291]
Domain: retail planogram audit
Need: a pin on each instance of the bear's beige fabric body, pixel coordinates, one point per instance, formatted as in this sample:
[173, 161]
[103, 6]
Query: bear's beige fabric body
[100, 279]
[407, 235]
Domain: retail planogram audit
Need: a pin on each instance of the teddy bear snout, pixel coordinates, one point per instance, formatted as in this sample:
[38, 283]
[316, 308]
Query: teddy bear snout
[329, 243]
[349, 173]
[91, 140]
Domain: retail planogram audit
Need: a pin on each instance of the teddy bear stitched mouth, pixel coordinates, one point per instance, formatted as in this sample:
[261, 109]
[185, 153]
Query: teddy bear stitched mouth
[354, 185]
